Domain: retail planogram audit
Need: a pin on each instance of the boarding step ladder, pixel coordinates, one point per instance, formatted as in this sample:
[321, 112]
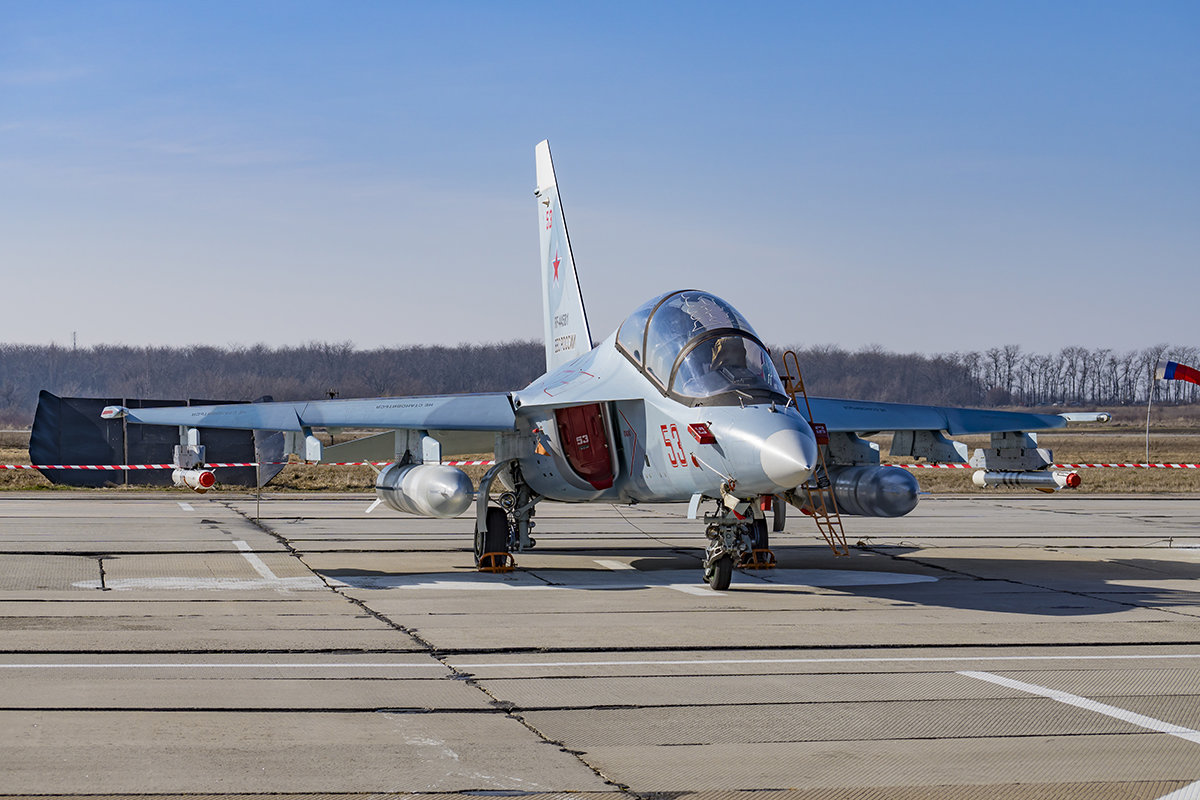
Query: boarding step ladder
[821, 505]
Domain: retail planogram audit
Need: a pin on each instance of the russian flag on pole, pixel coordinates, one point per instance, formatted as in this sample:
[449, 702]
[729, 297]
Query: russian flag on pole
[1174, 371]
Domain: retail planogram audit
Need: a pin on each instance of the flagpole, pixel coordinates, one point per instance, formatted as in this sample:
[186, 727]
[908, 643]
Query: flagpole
[1149, 400]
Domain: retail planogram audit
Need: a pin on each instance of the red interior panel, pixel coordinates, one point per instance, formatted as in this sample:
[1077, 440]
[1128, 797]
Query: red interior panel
[585, 443]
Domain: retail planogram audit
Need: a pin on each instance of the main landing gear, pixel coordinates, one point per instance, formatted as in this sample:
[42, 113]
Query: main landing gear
[505, 527]
[737, 536]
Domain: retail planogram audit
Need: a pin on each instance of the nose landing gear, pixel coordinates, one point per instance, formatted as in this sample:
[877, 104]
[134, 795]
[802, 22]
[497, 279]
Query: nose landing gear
[736, 537]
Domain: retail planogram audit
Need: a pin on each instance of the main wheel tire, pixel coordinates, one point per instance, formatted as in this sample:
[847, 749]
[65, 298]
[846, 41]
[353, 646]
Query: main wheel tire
[480, 541]
[760, 535]
[719, 573]
[495, 538]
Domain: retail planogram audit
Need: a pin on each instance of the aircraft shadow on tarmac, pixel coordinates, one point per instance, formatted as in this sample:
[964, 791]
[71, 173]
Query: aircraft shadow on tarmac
[1044, 587]
[1041, 587]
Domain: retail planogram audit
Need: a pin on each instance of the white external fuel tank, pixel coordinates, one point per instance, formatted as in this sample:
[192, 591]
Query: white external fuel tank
[427, 490]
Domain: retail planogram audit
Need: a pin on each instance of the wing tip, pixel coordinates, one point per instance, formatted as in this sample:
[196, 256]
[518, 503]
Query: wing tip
[114, 412]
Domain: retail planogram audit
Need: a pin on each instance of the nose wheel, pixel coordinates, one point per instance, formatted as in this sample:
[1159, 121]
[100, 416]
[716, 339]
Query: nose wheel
[719, 572]
[729, 540]
[738, 535]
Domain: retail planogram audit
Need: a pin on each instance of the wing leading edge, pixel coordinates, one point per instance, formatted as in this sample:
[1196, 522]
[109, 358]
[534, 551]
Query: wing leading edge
[863, 416]
[461, 412]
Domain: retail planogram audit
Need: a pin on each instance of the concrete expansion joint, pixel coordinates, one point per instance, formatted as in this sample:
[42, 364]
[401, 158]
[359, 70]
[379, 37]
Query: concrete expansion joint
[283, 540]
[1089, 596]
[880, 550]
[578, 755]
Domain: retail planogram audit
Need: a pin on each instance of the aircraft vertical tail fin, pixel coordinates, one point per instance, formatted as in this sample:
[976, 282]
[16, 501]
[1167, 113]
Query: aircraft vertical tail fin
[567, 333]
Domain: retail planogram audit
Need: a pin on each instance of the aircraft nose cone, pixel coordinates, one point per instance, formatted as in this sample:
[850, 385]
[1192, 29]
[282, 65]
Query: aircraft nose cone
[788, 457]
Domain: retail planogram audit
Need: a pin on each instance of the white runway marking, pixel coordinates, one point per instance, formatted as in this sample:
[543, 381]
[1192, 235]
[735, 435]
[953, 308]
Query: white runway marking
[266, 580]
[186, 506]
[614, 565]
[611, 663]
[699, 591]
[255, 561]
[751, 661]
[300, 584]
[1189, 792]
[1132, 718]
[186, 665]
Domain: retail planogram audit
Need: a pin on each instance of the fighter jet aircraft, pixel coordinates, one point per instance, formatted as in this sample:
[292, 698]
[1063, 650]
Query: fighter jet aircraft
[682, 403]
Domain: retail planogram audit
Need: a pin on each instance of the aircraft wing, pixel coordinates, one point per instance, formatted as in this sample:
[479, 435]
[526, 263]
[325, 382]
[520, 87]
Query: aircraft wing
[863, 416]
[457, 412]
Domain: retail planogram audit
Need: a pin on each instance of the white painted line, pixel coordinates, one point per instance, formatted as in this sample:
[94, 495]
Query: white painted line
[685, 662]
[614, 565]
[699, 591]
[614, 663]
[175, 584]
[1189, 792]
[186, 665]
[256, 562]
[1132, 718]
[186, 507]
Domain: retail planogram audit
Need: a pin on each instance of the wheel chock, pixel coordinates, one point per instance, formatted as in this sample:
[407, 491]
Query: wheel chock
[497, 562]
[759, 558]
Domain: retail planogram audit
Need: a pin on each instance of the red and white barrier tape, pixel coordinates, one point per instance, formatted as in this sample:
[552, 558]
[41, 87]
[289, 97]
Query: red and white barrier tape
[108, 467]
[1136, 466]
[488, 463]
[1056, 466]
[930, 466]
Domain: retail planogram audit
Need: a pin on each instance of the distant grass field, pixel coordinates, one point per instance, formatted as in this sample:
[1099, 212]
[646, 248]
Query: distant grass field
[1175, 439]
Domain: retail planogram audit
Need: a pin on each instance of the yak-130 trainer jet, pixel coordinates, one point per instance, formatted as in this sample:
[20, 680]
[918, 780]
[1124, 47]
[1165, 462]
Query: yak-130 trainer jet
[681, 404]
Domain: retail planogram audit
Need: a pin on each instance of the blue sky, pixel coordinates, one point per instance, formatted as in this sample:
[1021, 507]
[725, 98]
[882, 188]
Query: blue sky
[924, 176]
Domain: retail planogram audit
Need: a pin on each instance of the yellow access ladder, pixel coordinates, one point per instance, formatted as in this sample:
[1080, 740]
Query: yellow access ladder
[820, 503]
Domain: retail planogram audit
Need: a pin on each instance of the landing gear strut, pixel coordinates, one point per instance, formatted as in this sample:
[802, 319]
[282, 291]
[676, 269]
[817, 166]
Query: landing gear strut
[502, 529]
[737, 536]
[729, 540]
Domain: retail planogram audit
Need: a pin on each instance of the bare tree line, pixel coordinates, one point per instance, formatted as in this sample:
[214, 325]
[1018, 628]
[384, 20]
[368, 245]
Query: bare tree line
[1000, 376]
[309, 371]
[1080, 376]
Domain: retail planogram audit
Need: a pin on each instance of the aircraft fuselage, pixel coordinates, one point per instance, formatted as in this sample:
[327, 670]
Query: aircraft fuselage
[627, 441]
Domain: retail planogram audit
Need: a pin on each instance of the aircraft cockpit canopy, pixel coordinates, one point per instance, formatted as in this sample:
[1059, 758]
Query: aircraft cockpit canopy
[698, 349]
